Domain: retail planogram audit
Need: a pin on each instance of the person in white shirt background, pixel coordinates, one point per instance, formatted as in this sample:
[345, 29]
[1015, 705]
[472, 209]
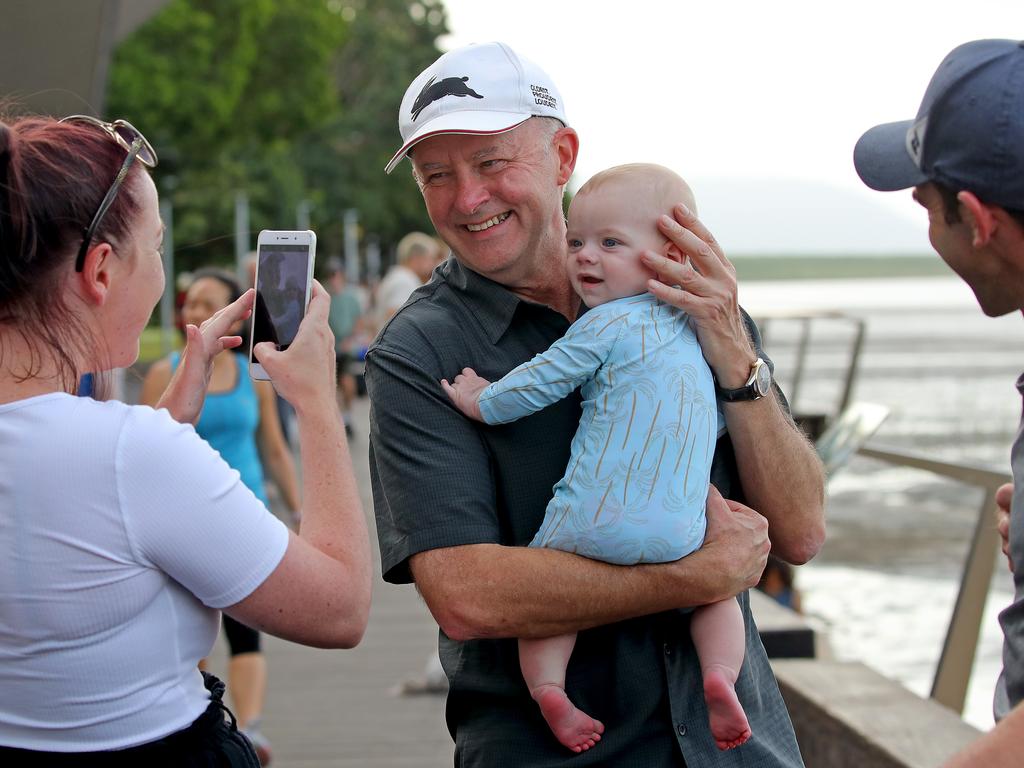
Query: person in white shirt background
[417, 255]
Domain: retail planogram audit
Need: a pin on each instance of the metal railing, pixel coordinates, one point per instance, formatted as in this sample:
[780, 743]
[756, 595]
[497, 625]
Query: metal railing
[953, 673]
[796, 368]
[840, 434]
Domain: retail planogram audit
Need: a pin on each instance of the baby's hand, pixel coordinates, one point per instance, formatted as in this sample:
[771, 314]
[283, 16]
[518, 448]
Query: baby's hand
[465, 392]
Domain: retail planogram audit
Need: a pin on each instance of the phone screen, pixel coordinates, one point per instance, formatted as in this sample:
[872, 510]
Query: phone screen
[281, 276]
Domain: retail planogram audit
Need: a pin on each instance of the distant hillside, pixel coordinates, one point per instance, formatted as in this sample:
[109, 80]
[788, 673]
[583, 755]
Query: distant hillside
[805, 267]
[759, 216]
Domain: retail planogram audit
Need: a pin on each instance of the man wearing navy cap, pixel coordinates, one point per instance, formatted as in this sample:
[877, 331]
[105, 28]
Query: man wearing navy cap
[457, 501]
[964, 156]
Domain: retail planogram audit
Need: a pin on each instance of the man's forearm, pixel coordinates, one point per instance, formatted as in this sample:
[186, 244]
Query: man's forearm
[999, 748]
[781, 475]
[488, 590]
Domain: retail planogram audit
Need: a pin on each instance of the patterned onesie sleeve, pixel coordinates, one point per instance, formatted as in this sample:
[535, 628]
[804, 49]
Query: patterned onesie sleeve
[567, 364]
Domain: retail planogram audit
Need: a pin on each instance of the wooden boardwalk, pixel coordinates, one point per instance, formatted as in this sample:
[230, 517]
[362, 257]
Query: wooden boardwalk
[338, 709]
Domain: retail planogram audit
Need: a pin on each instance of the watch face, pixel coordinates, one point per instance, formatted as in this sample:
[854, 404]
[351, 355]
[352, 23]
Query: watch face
[762, 379]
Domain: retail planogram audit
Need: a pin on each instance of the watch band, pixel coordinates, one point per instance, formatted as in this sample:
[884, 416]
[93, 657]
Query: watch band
[757, 385]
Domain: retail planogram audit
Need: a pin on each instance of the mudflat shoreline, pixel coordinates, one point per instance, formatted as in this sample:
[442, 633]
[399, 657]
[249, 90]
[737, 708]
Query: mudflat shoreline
[884, 584]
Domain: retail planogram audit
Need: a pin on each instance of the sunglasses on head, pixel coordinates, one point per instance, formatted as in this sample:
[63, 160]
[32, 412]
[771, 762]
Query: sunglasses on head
[135, 144]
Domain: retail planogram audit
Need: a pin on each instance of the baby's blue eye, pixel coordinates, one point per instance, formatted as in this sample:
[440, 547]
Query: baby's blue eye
[575, 243]
[609, 242]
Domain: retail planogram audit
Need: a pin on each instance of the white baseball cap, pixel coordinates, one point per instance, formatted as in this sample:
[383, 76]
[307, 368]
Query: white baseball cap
[478, 89]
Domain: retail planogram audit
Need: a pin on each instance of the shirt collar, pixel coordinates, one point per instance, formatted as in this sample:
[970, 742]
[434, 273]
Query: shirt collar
[491, 303]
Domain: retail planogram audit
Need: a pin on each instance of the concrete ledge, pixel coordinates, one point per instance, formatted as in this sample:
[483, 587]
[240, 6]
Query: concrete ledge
[784, 633]
[849, 716]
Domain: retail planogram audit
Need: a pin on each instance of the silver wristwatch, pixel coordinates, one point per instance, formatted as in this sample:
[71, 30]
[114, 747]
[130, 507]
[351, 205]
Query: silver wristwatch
[757, 385]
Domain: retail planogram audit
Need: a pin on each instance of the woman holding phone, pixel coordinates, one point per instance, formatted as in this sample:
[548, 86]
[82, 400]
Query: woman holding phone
[239, 420]
[122, 533]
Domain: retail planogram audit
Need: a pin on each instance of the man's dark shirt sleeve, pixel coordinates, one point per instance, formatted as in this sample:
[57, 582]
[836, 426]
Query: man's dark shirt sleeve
[430, 472]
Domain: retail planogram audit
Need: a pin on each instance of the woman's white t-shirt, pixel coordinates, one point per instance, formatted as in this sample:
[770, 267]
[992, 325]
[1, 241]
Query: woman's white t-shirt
[121, 533]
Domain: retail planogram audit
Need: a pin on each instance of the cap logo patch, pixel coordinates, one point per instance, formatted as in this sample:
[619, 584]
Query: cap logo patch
[915, 138]
[543, 97]
[450, 86]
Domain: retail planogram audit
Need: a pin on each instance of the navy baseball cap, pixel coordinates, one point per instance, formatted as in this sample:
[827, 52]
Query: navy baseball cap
[968, 133]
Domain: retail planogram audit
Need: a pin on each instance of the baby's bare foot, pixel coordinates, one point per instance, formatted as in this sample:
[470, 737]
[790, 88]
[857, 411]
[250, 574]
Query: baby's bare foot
[572, 727]
[729, 725]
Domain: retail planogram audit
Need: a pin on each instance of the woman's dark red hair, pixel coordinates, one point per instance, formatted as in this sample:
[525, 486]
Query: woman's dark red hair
[53, 177]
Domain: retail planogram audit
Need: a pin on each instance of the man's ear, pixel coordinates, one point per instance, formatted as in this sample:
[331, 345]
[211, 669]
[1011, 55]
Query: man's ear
[95, 277]
[567, 145]
[980, 217]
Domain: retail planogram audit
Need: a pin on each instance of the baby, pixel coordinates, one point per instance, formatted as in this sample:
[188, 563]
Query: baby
[637, 482]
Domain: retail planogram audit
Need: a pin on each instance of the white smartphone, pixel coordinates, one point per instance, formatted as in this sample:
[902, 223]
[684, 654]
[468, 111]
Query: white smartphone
[284, 282]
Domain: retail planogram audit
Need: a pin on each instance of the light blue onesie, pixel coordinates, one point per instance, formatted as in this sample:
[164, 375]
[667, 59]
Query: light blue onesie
[637, 480]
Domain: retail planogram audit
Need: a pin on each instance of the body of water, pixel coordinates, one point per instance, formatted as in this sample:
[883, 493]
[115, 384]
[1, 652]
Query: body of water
[885, 582]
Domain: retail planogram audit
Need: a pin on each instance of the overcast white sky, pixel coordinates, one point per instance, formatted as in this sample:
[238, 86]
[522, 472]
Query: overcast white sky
[758, 104]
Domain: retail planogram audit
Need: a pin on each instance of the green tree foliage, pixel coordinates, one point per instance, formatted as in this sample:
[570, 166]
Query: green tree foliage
[391, 41]
[286, 100]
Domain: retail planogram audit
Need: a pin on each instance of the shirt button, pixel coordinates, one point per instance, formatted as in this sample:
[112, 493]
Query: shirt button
[682, 729]
[668, 650]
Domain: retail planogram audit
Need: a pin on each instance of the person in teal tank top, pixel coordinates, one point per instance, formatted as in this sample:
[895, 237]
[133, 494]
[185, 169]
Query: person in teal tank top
[229, 421]
[239, 420]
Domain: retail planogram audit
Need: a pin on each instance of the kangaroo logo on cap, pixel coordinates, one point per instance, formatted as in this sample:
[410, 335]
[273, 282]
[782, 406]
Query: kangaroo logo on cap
[450, 86]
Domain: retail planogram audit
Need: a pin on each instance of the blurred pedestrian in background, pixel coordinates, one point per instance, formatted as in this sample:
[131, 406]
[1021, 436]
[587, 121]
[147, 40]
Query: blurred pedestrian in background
[417, 255]
[346, 324]
[778, 582]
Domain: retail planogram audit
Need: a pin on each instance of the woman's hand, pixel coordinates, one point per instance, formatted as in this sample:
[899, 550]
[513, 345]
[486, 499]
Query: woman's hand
[704, 286]
[211, 338]
[186, 392]
[304, 374]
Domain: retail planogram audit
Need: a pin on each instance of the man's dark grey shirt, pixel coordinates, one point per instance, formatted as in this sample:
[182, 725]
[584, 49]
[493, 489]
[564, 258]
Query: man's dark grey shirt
[441, 480]
[1010, 685]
